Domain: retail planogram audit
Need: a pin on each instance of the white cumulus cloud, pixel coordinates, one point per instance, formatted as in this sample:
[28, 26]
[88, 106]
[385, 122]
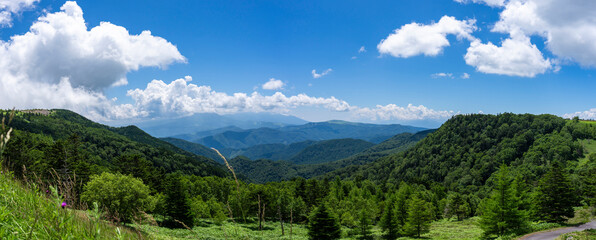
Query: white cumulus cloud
[273, 84]
[588, 115]
[465, 76]
[569, 28]
[410, 112]
[318, 75]
[8, 8]
[515, 57]
[60, 63]
[180, 97]
[416, 39]
[362, 49]
[183, 98]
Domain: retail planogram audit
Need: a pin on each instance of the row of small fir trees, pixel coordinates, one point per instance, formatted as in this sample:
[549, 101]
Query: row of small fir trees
[506, 212]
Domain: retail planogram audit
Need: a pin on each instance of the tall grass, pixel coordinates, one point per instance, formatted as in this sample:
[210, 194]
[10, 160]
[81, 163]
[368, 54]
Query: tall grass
[26, 212]
[5, 133]
[30, 212]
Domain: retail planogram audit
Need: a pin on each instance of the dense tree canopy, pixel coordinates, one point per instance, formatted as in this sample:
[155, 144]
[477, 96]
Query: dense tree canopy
[446, 174]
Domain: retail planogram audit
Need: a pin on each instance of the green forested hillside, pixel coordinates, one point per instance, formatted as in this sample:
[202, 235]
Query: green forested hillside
[508, 170]
[195, 148]
[467, 149]
[397, 143]
[274, 151]
[68, 142]
[265, 170]
[330, 150]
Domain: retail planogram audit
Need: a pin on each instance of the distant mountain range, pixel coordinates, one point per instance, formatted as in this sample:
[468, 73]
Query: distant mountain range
[205, 122]
[264, 170]
[307, 152]
[304, 159]
[241, 139]
[274, 151]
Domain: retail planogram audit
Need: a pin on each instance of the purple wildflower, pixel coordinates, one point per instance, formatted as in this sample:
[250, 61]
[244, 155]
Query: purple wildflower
[63, 204]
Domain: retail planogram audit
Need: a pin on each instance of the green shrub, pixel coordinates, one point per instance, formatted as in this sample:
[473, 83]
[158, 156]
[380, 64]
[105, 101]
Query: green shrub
[122, 197]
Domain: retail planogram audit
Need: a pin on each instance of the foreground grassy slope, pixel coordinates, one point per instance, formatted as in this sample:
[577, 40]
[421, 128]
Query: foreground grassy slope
[30, 213]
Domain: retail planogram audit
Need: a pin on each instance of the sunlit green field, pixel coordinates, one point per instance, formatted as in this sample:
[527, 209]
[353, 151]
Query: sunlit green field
[588, 122]
[589, 147]
[451, 229]
[444, 229]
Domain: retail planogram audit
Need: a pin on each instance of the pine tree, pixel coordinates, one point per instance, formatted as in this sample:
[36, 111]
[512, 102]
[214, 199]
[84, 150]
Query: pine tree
[401, 203]
[555, 197]
[323, 225]
[419, 217]
[177, 207]
[456, 206]
[389, 222]
[500, 213]
[365, 227]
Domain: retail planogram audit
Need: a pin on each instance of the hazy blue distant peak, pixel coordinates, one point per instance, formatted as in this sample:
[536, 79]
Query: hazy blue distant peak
[200, 123]
[296, 133]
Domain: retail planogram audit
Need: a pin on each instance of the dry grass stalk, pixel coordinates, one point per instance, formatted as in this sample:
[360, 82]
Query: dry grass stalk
[184, 225]
[237, 184]
[67, 186]
[229, 167]
[5, 134]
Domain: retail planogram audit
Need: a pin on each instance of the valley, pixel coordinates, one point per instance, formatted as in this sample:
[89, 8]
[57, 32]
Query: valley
[451, 171]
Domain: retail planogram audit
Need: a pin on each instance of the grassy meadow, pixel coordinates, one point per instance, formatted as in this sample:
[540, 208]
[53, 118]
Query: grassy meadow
[589, 147]
[443, 229]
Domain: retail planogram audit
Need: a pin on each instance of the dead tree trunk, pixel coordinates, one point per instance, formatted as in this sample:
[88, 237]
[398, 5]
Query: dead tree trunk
[259, 212]
[281, 221]
[291, 220]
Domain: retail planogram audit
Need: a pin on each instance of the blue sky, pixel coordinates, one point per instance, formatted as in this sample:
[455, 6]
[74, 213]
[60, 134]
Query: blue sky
[230, 47]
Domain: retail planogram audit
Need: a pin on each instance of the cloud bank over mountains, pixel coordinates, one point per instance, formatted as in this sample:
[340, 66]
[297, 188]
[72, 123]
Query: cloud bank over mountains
[61, 63]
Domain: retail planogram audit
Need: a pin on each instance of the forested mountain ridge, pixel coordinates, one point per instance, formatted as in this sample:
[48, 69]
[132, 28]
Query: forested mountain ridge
[330, 150]
[195, 148]
[311, 131]
[66, 141]
[273, 151]
[440, 177]
[464, 152]
[265, 170]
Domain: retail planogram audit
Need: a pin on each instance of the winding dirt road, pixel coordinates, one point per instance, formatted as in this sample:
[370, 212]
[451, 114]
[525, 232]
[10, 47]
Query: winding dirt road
[550, 235]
